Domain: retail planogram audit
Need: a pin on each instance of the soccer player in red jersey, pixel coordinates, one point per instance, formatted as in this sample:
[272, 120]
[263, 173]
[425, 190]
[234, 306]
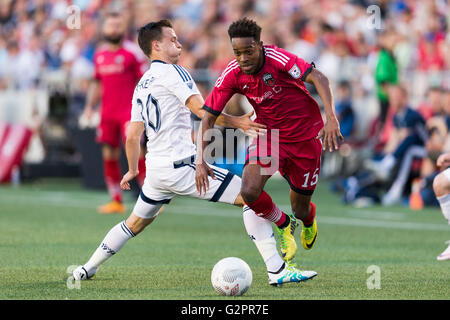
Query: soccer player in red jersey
[273, 79]
[118, 67]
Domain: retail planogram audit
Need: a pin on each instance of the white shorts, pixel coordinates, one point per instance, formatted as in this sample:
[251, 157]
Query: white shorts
[446, 173]
[163, 183]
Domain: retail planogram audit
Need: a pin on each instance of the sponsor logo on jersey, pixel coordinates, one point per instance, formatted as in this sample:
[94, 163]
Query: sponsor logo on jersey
[295, 72]
[268, 79]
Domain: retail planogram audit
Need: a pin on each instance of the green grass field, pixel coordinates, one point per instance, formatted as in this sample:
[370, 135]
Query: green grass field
[49, 225]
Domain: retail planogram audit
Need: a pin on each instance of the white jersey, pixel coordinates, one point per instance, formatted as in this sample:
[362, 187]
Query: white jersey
[159, 101]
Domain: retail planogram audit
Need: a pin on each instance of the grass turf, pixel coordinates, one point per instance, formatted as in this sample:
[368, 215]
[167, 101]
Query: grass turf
[49, 225]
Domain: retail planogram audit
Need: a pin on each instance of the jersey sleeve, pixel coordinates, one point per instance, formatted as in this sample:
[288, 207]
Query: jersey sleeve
[222, 92]
[137, 110]
[180, 83]
[295, 66]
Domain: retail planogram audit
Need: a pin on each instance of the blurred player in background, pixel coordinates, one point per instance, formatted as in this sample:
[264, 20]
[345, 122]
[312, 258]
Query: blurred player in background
[441, 187]
[272, 79]
[162, 103]
[118, 67]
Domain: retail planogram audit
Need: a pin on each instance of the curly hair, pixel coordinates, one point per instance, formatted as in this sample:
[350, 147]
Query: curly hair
[244, 28]
[150, 32]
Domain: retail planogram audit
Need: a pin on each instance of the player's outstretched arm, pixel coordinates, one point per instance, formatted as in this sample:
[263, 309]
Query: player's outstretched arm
[331, 132]
[245, 123]
[202, 170]
[133, 149]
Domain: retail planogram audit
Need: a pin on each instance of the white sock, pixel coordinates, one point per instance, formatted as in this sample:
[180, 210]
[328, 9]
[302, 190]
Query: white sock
[444, 202]
[111, 244]
[261, 232]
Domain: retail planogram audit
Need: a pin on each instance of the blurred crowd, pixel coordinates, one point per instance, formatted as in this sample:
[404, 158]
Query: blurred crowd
[388, 63]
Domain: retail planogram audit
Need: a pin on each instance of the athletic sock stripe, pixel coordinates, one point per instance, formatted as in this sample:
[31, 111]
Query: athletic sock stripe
[126, 229]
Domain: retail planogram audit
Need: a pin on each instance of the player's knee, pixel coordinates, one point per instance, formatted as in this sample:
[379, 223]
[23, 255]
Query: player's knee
[441, 185]
[250, 193]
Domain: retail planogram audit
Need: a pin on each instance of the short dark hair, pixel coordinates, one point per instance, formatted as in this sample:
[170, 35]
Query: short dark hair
[150, 32]
[244, 28]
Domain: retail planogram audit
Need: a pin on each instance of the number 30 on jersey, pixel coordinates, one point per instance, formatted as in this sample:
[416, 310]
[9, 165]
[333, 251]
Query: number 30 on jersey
[152, 104]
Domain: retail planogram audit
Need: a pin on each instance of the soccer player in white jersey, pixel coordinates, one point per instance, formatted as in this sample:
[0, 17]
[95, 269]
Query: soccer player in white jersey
[161, 106]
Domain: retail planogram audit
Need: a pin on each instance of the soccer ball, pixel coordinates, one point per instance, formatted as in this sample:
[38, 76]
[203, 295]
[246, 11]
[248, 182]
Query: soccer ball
[231, 277]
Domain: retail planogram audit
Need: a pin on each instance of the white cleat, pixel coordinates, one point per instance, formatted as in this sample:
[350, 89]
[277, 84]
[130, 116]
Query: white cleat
[80, 273]
[290, 274]
[446, 254]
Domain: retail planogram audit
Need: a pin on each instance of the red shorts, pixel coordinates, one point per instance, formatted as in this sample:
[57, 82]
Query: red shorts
[297, 162]
[112, 132]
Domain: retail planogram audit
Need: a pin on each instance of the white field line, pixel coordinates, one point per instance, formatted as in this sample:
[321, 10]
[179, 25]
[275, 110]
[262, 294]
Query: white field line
[65, 200]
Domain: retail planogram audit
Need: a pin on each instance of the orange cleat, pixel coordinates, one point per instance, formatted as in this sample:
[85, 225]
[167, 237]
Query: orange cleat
[112, 207]
[415, 199]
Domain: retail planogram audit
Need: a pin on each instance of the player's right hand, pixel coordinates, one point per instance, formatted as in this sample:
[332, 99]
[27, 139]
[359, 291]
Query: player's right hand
[443, 161]
[125, 183]
[202, 171]
[249, 127]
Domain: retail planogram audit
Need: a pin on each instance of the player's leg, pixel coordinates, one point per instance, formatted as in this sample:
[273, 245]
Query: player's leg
[226, 189]
[252, 191]
[144, 212]
[305, 210]
[261, 232]
[108, 135]
[302, 173]
[441, 187]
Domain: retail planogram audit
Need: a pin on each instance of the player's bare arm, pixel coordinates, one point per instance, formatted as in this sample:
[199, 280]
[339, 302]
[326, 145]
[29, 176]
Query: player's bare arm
[133, 149]
[331, 132]
[195, 104]
[202, 170]
[93, 97]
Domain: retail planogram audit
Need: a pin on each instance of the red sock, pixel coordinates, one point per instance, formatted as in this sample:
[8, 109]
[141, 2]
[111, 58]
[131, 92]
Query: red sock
[264, 207]
[308, 221]
[112, 174]
[141, 176]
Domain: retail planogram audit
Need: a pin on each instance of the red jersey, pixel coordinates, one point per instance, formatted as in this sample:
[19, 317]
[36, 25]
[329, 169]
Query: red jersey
[118, 72]
[277, 93]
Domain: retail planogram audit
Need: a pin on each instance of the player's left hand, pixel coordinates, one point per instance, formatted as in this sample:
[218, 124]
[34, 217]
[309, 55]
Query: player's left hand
[249, 127]
[331, 134]
[125, 183]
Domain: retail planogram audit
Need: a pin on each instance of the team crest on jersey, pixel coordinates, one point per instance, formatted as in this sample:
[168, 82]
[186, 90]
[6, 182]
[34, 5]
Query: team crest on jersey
[268, 79]
[190, 85]
[100, 59]
[295, 72]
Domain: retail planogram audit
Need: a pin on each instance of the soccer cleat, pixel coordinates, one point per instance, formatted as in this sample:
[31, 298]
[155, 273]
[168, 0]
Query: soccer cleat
[287, 240]
[446, 254]
[289, 274]
[309, 236]
[112, 207]
[80, 273]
